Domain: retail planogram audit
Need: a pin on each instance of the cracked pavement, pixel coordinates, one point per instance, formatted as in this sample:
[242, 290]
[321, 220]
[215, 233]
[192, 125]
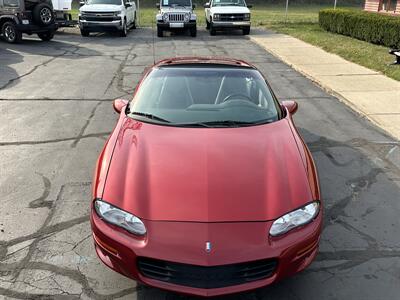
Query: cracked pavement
[55, 104]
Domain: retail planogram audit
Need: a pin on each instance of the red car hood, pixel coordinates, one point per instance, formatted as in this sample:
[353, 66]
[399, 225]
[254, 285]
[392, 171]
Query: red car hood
[206, 174]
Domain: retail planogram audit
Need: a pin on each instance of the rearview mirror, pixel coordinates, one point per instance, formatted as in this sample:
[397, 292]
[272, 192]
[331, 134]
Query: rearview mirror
[158, 5]
[249, 6]
[291, 106]
[81, 3]
[119, 104]
[207, 5]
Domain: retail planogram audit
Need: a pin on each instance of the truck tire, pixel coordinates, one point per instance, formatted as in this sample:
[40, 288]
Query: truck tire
[46, 36]
[134, 25]
[124, 30]
[207, 25]
[43, 14]
[193, 32]
[85, 33]
[10, 33]
[160, 32]
[212, 29]
[246, 31]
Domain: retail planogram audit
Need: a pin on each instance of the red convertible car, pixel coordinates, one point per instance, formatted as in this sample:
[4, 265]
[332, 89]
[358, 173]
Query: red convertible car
[205, 187]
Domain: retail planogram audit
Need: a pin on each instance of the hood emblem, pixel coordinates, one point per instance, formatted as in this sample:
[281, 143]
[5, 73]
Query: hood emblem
[208, 247]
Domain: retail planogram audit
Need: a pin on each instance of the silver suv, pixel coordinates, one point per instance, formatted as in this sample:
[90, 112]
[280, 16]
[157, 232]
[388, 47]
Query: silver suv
[176, 15]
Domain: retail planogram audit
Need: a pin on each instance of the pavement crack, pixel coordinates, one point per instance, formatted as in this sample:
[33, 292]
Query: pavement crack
[84, 136]
[41, 201]
[80, 135]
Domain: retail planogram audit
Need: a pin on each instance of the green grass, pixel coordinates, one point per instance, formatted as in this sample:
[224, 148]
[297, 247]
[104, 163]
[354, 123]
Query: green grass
[302, 23]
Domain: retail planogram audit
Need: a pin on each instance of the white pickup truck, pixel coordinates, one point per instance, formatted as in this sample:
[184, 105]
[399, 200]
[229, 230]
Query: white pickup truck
[222, 14]
[107, 15]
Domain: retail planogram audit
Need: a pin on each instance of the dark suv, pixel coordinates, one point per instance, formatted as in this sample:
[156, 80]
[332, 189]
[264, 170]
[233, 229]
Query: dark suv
[27, 16]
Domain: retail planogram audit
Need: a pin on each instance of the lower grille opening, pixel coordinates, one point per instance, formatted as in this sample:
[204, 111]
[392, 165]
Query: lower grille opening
[206, 277]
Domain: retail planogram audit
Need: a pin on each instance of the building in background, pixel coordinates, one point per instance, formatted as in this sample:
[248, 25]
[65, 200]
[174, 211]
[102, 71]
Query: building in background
[383, 6]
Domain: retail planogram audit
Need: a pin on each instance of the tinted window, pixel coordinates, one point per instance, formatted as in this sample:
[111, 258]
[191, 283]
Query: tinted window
[176, 3]
[11, 3]
[228, 2]
[115, 2]
[184, 95]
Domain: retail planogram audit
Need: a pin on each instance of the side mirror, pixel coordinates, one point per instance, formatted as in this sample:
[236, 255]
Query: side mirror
[128, 5]
[249, 6]
[194, 6]
[291, 106]
[81, 3]
[207, 5]
[119, 104]
[158, 5]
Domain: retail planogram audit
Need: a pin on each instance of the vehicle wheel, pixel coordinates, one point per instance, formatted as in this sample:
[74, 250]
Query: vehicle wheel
[10, 33]
[207, 24]
[193, 32]
[134, 22]
[85, 32]
[212, 30]
[46, 36]
[160, 32]
[124, 30]
[246, 30]
[43, 14]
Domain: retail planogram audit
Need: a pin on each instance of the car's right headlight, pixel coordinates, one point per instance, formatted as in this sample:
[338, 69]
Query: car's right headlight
[118, 217]
[295, 219]
[216, 17]
[246, 17]
[165, 17]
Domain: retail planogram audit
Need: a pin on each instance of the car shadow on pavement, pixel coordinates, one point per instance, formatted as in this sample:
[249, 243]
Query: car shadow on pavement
[8, 73]
[13, 54]
[353, 238]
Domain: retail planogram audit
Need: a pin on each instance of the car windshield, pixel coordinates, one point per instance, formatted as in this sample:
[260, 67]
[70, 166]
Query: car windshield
[173, 3]
[217, 96]
[228, 3]
[112, 2]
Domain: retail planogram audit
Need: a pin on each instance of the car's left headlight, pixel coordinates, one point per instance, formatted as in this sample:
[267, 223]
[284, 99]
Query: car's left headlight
[295, 219]
[246, 17]
[120, 218]
[117, 13]
[216, 17]
[187, 17]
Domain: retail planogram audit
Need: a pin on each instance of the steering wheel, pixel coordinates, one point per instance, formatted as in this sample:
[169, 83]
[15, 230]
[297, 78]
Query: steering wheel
[237, 97]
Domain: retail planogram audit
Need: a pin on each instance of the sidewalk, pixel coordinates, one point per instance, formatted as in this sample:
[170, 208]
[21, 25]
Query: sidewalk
[366, 91]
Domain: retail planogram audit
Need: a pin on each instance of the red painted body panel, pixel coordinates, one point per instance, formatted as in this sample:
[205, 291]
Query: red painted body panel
[206, 174]
[192, 185]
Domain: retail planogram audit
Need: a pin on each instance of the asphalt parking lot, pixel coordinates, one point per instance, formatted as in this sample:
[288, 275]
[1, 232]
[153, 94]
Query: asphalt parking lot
[56, 113]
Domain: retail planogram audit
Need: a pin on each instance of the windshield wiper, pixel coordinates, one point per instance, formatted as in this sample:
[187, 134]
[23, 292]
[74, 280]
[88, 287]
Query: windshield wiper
[149, 116]
[224, 123]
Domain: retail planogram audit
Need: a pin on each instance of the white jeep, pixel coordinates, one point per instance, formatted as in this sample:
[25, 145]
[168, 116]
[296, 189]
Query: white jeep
[176, 15]
[221, 14]
[107, 15]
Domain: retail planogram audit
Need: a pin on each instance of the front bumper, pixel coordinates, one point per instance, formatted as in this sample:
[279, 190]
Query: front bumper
[176, 25]
[238, 24]
[100, 25]
[184, 242]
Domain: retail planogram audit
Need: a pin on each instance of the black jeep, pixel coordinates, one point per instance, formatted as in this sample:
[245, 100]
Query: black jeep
[27, 16]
